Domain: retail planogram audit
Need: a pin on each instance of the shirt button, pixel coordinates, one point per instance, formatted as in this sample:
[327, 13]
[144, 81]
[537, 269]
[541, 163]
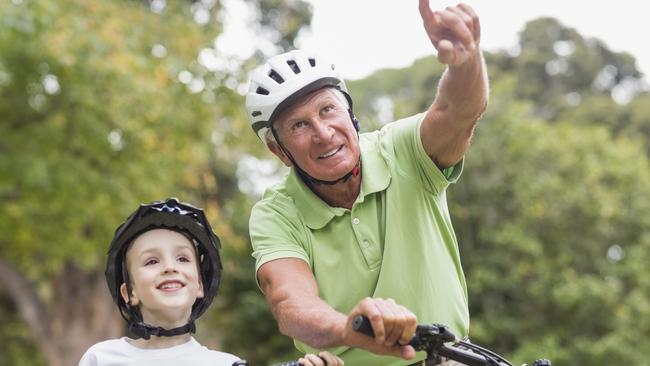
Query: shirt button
[356, 221]
[366, 244]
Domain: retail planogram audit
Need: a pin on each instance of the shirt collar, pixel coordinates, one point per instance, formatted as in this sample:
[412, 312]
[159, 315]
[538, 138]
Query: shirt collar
[375, 177]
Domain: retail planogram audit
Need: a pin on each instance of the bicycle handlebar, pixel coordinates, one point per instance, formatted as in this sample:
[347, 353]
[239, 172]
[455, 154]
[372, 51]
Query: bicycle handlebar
[286, 363]
[432, 338]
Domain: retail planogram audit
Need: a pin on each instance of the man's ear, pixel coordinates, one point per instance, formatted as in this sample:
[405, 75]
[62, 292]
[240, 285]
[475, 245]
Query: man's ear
[277, 150]
[130, 300]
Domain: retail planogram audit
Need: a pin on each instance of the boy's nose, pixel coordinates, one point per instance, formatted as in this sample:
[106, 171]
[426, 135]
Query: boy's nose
[169, 267]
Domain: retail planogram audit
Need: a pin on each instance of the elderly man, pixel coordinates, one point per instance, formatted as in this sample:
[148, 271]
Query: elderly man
[361, 225]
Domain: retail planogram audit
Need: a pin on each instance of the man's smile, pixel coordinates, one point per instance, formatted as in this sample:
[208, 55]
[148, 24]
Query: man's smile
[330, 153]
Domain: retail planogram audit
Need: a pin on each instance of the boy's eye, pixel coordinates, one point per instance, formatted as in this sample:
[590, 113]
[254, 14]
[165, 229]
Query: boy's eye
[151, 261]
[183, 259]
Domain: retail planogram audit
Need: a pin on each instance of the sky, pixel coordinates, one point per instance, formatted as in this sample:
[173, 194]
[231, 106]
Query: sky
[361, 36]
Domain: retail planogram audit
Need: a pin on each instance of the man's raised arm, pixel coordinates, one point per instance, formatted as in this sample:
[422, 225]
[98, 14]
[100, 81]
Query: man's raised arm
[462, 94]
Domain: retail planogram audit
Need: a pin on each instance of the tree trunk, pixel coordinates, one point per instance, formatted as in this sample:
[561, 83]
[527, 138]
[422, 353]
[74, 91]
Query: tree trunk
[79, 313]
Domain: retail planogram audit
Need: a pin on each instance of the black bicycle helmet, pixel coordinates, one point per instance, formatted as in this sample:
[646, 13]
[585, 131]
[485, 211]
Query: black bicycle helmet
[172, 215]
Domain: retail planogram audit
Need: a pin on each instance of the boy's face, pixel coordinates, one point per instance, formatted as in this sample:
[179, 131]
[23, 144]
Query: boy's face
[164, 276]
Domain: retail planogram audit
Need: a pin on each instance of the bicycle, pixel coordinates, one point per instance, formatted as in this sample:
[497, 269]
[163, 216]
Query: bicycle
[434, 339]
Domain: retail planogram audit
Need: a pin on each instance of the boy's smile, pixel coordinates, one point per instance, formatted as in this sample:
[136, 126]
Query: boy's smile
[170, 285]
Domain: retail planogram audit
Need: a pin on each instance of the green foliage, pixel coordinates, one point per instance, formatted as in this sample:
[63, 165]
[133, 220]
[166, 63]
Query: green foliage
[282, 20]
[92, 125]
[391, 93]
[544, 213]
[555, 64]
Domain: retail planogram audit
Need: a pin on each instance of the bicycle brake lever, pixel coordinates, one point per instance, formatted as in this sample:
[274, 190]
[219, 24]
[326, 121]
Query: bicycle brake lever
[441, 332]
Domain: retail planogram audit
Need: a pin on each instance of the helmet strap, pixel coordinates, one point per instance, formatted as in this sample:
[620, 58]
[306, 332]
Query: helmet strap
[145, 331]
[309, 180]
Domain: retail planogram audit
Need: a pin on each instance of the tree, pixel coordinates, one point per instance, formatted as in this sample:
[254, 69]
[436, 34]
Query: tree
[547, 217]
[94, 121]
[557, 68]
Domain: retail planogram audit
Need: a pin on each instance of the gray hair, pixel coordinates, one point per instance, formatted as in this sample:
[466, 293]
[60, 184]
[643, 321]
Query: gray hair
[268, 136]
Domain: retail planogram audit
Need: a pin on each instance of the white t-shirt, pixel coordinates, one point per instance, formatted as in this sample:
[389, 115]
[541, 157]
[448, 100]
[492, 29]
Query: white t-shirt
[119, 352]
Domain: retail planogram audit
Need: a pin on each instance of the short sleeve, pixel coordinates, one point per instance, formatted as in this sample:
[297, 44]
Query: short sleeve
[88, 359]
[276, 232]
[402, 145]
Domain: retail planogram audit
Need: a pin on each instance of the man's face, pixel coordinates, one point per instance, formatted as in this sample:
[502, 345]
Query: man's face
[164, 275]
[318, 133]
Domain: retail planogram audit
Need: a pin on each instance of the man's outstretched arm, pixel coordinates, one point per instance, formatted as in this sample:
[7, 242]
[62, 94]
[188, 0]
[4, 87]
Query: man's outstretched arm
[462, 94]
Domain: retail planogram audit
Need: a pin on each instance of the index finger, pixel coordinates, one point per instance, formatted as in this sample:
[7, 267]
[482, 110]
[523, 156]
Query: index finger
[330, 359]
[368, 308]
[311, 359]
[425, 11]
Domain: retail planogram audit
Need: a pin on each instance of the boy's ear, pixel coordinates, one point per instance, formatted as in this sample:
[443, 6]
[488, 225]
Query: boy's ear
[130, 300]
[201, 293]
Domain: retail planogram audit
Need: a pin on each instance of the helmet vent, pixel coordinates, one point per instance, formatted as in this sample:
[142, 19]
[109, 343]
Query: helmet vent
[294, 66]
[312, 62]
[275, 76]
[256, 113]
[262, 91]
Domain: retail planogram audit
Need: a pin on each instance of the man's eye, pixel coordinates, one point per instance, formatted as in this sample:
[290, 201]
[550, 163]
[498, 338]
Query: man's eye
[298, 125]
[327, 109]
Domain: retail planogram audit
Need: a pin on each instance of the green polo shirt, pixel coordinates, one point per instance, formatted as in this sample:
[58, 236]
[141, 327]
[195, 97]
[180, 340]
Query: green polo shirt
[396, 242]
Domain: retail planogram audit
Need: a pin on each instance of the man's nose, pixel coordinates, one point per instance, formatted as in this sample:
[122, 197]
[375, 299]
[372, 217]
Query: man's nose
[323, 131]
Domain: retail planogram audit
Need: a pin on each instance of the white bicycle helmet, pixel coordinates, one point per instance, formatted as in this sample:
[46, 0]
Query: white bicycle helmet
[281, 81]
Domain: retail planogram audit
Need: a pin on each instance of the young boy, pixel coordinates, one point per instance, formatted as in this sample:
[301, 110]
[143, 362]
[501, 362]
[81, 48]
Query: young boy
[163, 270]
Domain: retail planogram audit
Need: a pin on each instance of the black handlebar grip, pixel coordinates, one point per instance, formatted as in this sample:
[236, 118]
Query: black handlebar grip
[542, 362]
[288, 363]
[361, 324]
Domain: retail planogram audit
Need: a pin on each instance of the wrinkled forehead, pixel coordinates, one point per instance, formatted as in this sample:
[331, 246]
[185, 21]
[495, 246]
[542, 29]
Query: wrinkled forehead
[312, 100]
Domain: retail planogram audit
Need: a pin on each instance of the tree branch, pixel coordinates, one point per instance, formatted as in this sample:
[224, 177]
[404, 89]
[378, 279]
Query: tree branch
[27, 301]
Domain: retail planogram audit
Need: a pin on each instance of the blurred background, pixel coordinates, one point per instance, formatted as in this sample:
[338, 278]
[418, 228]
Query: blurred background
[106, 104]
